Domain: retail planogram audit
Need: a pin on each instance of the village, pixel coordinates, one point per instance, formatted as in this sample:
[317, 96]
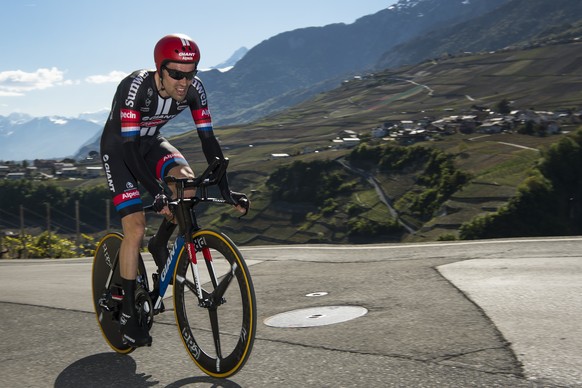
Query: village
[403, 132]
[479, 120]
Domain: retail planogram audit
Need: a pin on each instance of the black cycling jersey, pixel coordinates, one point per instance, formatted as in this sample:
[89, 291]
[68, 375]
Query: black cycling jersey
[131, 140]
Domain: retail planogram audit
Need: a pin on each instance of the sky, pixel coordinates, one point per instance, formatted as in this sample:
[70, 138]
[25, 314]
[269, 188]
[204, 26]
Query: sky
[66, 57]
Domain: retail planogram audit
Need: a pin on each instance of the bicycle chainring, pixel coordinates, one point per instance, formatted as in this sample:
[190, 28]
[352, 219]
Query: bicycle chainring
[144, 307]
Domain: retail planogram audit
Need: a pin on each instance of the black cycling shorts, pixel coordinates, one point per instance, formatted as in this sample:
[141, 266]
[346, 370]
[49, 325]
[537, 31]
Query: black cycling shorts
[159, 155]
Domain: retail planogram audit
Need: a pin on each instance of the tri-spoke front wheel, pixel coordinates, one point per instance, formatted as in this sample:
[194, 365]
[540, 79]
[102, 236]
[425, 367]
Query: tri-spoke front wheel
[218, 329]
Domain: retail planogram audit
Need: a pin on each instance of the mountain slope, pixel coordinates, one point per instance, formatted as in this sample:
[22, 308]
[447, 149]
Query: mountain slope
[230, 62]
[433, 90]
[293, 66]
[515, 22]
[304, 61]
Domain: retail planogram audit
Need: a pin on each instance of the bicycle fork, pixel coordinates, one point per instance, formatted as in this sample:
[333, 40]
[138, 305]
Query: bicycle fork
[205, 299]
[186, 218]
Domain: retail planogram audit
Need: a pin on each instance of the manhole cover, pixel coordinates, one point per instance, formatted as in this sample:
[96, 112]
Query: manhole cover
[318, 293]
[316, 316]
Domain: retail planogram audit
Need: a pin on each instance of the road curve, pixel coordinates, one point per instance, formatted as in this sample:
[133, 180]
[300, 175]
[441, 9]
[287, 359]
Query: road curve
[492, 313]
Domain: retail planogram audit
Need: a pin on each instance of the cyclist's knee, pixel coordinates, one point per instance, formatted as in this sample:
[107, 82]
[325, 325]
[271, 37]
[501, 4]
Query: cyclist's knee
[182, 172]
[133, 227]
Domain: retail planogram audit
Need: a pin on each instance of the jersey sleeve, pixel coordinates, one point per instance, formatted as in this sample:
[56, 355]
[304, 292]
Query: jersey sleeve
[203, 121]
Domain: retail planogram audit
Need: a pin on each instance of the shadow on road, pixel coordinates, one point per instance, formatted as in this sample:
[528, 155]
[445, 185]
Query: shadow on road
[117, 370]
[103, 370]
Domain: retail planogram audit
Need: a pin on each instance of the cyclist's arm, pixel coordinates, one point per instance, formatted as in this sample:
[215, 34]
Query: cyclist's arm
[203, 121]
[212, 150]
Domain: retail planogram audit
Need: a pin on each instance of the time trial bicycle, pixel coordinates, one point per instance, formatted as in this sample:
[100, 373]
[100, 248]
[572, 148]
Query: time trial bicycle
[214, 304]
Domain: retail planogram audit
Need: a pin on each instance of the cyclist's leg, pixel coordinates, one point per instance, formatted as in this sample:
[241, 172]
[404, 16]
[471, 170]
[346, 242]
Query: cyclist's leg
[132, 330]
[133, 230]
[128, 204]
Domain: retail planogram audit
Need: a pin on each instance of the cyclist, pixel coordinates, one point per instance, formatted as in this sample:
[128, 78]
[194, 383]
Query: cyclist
[132, 151]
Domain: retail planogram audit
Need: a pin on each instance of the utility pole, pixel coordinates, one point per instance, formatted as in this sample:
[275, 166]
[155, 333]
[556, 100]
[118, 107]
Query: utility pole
[78, 222]
[22, 254]
[107, 217]
[48, 227]
[22, 222]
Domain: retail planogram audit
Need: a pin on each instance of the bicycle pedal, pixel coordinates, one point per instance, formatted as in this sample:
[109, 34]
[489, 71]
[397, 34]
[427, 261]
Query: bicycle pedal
[126, 342]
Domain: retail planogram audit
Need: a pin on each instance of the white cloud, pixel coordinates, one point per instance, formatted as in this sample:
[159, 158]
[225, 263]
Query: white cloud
[69, 82]
[113, 76]
[4, 93]
[17, 82]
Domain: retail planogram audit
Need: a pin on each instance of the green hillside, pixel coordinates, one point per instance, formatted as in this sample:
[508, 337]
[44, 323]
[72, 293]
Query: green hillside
[395, 187]
[543, 78]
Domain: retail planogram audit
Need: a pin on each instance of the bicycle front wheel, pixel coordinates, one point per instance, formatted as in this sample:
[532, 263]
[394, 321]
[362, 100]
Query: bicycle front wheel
[217, 330]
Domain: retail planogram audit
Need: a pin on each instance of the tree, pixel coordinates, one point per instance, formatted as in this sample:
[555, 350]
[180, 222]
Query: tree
[504, 106]
[548, 202]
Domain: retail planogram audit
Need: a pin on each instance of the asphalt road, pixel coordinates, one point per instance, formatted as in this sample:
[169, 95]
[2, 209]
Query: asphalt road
[496, 313]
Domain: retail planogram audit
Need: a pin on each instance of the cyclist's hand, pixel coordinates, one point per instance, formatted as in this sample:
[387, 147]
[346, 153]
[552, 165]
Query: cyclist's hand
[241, 202]
[160, 204]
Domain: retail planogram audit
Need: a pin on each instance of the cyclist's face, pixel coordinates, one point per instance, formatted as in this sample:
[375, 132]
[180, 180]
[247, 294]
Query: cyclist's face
[177, 88]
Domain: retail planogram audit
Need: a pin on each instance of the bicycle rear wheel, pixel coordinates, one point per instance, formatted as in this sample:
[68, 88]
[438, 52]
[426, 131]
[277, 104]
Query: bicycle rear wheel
[218, 331]
[107, 290]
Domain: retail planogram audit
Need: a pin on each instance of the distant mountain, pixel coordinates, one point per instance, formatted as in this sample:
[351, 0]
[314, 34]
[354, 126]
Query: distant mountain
[16, 118]
[43, 137]
[98, 117]
[514, 23]
[296, 65]
[293, 66]
[230, 62]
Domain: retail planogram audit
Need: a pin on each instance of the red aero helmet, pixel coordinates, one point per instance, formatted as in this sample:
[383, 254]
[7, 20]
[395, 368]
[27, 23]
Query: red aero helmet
[176, 48]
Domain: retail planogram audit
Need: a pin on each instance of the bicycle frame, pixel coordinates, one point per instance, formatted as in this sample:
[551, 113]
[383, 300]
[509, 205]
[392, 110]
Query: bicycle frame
[183, 209]
[186, 225]
[169, 269]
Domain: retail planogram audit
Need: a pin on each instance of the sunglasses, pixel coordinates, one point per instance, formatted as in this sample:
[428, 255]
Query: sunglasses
[178, 75]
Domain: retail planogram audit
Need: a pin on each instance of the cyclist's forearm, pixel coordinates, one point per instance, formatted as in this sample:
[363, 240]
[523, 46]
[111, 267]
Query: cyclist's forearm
[210, 146]
[212, 150]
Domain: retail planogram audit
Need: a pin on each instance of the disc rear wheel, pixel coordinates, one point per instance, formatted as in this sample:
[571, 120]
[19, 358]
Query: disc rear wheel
[108, 292]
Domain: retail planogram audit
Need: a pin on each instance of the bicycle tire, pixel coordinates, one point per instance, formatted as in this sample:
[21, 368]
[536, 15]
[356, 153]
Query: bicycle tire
[236, 317]
[106, 260]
